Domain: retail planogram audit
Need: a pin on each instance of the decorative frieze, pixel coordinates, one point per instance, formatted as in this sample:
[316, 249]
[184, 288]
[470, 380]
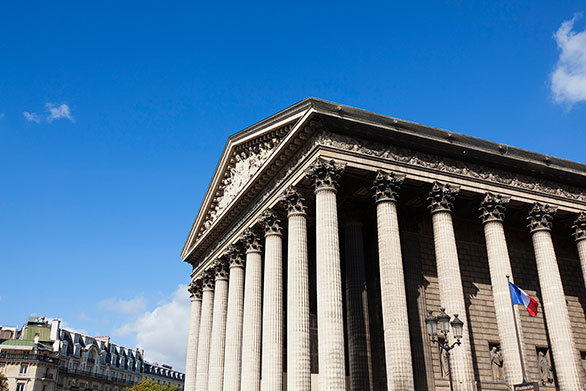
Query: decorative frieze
[541, 217]
[251, 241]
[271, 223]
[443, 164]
[493, 207]
[294, 201]
[442, 197]
[579, 227]
[386, 186]
[325, 174]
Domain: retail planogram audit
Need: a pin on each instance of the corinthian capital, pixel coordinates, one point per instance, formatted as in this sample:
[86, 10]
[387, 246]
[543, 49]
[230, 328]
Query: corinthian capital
[221, 268]
[579, 227]
[442, 196]
[194, 289]
[271, 223]
[325, 173]
[235, 256]
[541, 217]
[294, 201]
[386, 186]
[251, 242]
[208, 281]
[492, 207]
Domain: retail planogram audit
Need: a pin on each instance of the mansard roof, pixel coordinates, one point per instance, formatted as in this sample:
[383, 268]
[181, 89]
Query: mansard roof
[261, 150]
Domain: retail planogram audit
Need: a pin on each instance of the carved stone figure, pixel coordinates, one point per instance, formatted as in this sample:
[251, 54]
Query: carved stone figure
[496, 363]
[444, 364]
[544, 369]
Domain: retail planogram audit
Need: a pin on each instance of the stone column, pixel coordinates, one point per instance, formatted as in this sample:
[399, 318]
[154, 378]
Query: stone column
[272, 321]
[252, 323]
[205, 332]
[330, 319]
[492, 214]
[298, 339]
[393, 297]
[554, 300]
[441, 200]
[356, 301]
[195, 293]
[218, 339]
[233, 356]
[580, 236]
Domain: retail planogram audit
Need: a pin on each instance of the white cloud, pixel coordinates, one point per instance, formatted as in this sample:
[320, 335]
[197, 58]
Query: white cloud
[122, 306]
[1, 115]
[66, 326]
[58, 112]
[568, 80]
[162, 333]
[32, 117]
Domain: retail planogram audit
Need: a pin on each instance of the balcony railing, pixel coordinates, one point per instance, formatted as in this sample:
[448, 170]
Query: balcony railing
[27, 357]
[93, 375]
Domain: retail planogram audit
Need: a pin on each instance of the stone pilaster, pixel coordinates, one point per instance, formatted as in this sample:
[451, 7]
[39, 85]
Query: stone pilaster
[195, 293]
[359, 358]
[492, 214]
[298, 339]
[252, 316]
[233, 355]
[329, 279]
[554, 300]
[218, 339]
[441, 199]
[205, 332]
[272, 325]
[580, 236]
[393, 297]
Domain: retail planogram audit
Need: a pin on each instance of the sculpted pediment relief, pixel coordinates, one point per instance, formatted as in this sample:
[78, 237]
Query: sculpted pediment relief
[244, 162]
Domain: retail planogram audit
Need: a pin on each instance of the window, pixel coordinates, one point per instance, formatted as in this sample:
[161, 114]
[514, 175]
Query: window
[20, 387]
[23, 369]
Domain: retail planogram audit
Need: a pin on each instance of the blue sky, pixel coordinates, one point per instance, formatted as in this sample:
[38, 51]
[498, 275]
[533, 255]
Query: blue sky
[113, 116]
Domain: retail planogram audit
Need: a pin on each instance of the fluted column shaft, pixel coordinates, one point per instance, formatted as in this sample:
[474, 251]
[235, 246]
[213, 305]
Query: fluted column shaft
[450, 282]
[329, 278]
[298, 337]
[393, 296]
[205, 332]
[492, 215]
[580, 236]
[554, 299]
[218, 339]
[192, 340]
[233, 355]
[358, 351]
[252, 318]
[272, 325]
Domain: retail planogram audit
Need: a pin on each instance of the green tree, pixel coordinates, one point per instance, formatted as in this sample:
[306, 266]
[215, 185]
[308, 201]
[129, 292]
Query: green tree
[149, 385]
[3, 382]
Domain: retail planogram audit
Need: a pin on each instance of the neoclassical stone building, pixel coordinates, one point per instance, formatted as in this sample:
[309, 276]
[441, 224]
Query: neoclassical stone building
[328, 233]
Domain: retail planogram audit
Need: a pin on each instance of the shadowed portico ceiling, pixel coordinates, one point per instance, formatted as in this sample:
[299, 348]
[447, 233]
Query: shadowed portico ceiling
[253, 156]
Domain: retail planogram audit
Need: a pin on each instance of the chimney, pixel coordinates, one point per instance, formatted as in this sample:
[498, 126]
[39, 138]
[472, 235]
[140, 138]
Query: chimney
[55, 324]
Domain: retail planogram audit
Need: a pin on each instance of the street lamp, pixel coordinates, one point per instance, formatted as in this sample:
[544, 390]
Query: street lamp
[442, 324]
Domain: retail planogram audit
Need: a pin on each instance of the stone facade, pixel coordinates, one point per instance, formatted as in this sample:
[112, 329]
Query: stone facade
[44, 357]
[372, 222]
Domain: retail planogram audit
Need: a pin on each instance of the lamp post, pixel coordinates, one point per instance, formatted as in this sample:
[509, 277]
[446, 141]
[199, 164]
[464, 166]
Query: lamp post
[442, 324]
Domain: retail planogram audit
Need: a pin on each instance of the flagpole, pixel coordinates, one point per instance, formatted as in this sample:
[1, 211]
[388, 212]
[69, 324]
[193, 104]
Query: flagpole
[517, 331]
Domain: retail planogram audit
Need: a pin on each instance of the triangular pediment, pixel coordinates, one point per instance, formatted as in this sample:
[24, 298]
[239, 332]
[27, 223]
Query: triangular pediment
[244, 155]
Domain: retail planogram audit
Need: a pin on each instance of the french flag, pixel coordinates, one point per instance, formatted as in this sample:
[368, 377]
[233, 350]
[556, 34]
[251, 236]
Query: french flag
[518, 296]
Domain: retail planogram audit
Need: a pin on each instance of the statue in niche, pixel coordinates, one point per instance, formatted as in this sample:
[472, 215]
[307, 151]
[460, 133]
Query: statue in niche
[544, 369]
[496, 363]
[444, 364]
